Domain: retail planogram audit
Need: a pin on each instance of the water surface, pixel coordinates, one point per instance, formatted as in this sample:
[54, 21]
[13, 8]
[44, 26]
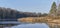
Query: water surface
[30, 25]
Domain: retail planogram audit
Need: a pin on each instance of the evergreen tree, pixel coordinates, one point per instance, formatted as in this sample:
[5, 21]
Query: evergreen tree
[53, 9]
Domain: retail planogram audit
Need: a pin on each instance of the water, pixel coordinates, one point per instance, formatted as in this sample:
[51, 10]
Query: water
[30, 25]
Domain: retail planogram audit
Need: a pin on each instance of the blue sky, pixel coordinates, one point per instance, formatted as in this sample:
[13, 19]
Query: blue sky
[42, 6]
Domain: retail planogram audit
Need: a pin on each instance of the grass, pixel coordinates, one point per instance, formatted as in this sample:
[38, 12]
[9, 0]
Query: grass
[50, 20]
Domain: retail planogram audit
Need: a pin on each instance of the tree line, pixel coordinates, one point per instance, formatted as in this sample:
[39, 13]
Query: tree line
[8, 13]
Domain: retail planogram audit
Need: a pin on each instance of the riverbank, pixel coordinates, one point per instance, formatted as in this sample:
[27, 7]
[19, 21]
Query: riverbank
[51, 21]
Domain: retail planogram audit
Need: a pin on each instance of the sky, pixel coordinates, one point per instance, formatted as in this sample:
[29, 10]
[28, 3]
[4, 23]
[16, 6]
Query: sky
[38, 6]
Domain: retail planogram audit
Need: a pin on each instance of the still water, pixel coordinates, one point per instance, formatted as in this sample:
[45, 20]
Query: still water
[30, 25]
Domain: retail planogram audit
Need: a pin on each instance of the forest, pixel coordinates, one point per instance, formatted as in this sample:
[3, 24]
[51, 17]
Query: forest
[8, 13]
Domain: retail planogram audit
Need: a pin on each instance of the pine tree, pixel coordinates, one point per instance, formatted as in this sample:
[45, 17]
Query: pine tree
[53, 9]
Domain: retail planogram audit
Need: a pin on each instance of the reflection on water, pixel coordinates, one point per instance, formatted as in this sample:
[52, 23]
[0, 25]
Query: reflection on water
[30, 25]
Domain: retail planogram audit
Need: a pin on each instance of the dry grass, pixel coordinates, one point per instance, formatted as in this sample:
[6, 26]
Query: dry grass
[51, 21]
[39, 19]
